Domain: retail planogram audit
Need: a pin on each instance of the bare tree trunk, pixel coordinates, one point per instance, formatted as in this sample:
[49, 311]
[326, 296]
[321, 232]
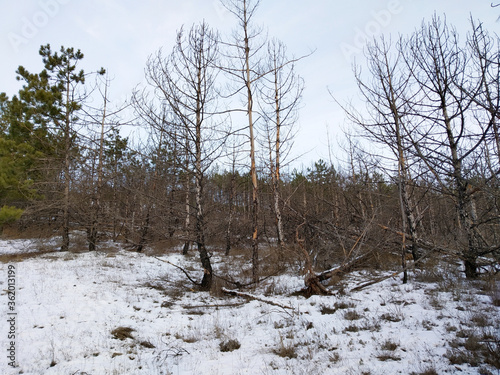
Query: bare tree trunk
[232, 188]
[253, 168]
[206, 281]
[67, 161]
[92, 232]
[276, 174]
[187, 241]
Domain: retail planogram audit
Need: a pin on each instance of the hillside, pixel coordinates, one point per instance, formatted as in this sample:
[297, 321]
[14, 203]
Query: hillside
[120, 312]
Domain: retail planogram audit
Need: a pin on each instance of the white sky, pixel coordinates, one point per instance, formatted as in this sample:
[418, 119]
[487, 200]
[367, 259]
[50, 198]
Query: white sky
[120, 35]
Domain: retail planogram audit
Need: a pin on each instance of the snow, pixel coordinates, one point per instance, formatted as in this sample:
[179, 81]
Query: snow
[69, 303]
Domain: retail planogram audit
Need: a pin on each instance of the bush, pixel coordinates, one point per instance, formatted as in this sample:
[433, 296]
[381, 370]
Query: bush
[229, 345]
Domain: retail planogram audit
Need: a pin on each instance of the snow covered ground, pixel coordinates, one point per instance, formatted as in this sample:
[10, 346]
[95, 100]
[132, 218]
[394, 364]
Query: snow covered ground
[120, 312]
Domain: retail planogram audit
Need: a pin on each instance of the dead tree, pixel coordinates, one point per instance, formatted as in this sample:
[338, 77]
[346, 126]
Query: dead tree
[242, 65]
[186, 82]
[244, 60]
[386, 94]
[107, 121]
[445, 141]
[280, 93]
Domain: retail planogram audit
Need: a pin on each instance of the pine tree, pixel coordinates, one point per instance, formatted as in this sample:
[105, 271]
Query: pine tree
[45, 114]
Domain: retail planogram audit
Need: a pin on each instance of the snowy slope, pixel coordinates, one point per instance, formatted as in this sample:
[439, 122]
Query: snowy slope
[69, 305]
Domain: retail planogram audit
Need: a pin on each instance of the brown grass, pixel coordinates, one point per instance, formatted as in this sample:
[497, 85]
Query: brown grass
[11, 258]
[122, 333]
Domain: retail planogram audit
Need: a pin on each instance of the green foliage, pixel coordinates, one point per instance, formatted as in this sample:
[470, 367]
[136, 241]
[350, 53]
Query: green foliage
[37, 123]
[17, 161]
[321, 173]
[49, 95]
[9, 214]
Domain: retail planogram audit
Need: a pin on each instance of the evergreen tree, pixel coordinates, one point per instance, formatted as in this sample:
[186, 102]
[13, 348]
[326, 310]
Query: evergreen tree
[44, 116]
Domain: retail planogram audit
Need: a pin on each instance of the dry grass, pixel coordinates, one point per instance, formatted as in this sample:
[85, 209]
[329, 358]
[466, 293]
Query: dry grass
[352, 315]
[122, 333]
[325, 310]
[475, 349]
[351, 328]
[11, 258]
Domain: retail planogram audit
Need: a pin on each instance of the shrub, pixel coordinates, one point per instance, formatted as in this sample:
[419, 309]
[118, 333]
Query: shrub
[389, 345]
[229, 345]
[122, 333]
[325, 310]
[352, 315]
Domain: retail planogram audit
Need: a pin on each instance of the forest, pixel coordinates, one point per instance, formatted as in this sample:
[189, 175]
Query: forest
[176, 233]
[214, 122]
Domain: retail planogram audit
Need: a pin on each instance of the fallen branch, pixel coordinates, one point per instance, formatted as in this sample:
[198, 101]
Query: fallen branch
[239, 285]
[215, 305]
[180, 268]
[382, 278]
[375, 281]
[421, 243]
[256, 298]
[344, 268]
[235, 283]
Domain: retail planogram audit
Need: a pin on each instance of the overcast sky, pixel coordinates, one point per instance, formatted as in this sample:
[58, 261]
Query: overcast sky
[119, 35]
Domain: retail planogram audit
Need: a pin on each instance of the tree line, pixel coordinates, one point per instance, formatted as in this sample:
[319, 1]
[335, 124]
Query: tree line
[217, 118]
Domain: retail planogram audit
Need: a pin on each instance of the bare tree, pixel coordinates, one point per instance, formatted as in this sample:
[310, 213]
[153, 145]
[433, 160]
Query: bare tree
[485, 69]
[244, 61]
[186, 82]
[154, 114]
[486, 65]
[446, 139]
[106, 120]
[280, 94]
[387, 93]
